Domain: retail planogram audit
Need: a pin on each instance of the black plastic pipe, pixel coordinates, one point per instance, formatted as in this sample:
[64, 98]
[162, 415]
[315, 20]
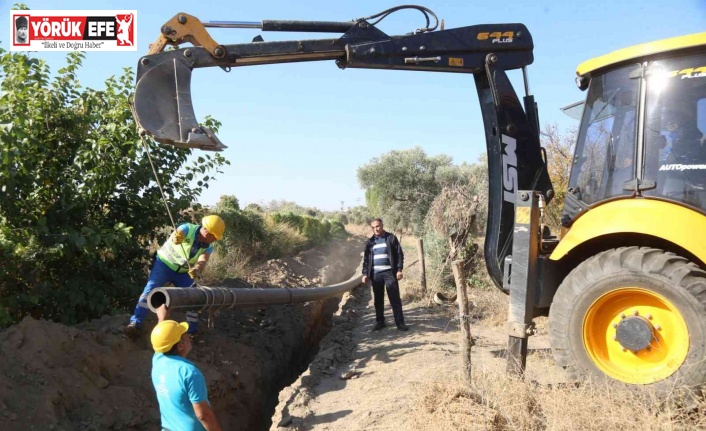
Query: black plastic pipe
[221, 298]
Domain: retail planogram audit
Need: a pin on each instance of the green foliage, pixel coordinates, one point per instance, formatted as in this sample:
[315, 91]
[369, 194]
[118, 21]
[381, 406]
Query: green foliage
[376, 200]
[255, 208]
[285, 207]
[78, 203]
[359, 215]
[401, 185]
[253, 235]
[436, 254]
[283, 239]
[470, 184]
[339, 217]
[337, 230]
[271, 235]
[245, 230]
[316, 231]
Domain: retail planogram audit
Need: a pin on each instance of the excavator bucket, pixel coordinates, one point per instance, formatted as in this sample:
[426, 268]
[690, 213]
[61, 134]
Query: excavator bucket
[163, 109]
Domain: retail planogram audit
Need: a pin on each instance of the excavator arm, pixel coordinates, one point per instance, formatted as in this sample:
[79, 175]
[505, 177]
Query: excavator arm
[163, 104]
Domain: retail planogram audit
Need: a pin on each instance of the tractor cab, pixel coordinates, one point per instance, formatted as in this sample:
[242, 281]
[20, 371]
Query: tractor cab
[643, 126]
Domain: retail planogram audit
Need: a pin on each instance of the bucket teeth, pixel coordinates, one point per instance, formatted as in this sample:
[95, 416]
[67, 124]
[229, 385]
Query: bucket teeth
[163, 107]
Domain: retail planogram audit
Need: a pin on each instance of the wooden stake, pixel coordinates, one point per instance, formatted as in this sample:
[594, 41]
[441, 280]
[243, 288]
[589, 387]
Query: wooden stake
[420, 249]
[466, 342]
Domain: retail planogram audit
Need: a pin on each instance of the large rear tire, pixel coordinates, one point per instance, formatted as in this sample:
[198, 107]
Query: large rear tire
[635, 315]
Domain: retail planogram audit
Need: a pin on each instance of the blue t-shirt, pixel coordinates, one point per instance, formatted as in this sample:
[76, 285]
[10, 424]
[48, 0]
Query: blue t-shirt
[178, 384]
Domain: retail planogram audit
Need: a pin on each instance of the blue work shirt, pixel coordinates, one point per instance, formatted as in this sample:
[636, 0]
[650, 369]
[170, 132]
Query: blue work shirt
[178, 384]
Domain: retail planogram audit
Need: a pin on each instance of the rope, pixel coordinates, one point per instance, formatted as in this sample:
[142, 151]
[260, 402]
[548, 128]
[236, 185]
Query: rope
[141, 132]
[223, 290]
[232, 292]
[211, 302]
[211, 320]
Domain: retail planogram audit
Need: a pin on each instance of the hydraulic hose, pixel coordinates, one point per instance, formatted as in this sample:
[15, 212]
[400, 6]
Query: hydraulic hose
[219, 298]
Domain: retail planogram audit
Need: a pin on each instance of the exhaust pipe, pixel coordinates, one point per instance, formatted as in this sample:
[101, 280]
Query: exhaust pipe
[220, 298]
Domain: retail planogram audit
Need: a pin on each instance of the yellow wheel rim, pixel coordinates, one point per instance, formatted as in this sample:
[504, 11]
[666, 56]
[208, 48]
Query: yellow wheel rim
[664, 355]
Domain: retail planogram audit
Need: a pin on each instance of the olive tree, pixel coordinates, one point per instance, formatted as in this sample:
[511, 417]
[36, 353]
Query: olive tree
[401, 185]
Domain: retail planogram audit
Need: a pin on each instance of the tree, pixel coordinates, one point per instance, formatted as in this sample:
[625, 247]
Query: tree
[456, 216]
[283, 206]
[359, 215]
[471, 182]
[79, 205]
[401, 185]
[560, 149]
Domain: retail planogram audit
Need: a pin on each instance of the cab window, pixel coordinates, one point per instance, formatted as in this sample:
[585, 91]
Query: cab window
[604, 158]
[675, 123]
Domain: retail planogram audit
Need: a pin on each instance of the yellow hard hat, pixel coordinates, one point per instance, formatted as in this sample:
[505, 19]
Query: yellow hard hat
[166, 334]
[214, 225]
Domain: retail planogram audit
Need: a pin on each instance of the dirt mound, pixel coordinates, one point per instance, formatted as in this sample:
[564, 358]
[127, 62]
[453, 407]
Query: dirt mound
[91, 377]
[57, 377]
[319, 266]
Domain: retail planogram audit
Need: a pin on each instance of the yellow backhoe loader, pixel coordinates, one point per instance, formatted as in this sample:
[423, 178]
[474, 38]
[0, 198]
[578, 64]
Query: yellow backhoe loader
[623, 283]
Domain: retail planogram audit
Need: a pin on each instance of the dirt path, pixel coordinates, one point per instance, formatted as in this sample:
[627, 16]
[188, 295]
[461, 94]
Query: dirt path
[388, 369]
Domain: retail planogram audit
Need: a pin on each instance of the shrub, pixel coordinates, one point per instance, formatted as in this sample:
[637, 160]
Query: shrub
[282, 238]
[79, 206]
[316, 231]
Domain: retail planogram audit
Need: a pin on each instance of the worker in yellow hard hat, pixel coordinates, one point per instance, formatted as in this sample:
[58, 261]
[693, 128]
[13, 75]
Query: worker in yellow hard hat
[180, 386]
[180, 260]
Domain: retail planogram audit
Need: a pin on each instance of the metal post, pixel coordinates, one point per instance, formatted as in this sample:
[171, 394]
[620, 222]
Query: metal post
[523, 276]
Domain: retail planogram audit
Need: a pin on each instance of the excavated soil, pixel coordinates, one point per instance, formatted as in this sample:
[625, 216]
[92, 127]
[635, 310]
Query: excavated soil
[92, 377]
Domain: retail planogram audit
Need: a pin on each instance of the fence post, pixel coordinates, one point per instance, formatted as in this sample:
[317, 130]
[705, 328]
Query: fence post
[420, 249]
[464, 319]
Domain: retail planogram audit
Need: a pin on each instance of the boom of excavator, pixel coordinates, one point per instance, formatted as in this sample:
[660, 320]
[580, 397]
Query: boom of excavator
[522, 257]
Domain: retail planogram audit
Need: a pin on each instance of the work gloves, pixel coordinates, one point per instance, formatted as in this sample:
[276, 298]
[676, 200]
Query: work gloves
[194, 273]
[178, 237]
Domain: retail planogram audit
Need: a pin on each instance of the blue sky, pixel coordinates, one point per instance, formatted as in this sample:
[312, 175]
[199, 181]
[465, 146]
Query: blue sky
[299, 131]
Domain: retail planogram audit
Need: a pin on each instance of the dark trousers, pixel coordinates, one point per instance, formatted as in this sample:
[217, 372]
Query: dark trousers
[380, 281]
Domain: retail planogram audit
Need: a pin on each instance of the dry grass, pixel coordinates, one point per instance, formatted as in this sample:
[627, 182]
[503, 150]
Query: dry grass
[358, 230]
[234, 264]
[490, 304]
[490, 307]
[238, 261]
[496, 401]
[283, 239]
